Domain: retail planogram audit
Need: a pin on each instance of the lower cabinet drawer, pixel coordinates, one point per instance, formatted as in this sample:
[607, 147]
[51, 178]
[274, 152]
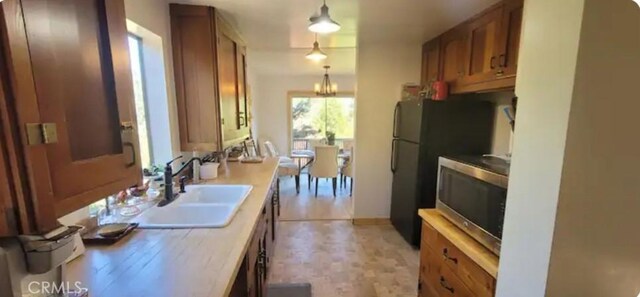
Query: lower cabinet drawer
[474, 277]
[447, 284]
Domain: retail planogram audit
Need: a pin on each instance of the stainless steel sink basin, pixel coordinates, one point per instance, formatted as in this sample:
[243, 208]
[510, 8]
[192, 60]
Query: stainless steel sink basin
[202, 206]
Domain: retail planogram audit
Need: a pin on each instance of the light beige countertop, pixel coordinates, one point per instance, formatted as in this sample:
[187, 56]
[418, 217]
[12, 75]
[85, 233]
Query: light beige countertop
[179, 262]
[469, 246]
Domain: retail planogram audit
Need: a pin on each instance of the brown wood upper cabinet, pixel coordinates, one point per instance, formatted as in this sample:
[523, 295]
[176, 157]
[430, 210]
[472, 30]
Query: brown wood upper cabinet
[481, 54]
[482, 48]
[69, 80]
[452, 56]
[209, 65]
[431, 61]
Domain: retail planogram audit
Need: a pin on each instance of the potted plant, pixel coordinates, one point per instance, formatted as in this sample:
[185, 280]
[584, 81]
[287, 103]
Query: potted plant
[331, 138]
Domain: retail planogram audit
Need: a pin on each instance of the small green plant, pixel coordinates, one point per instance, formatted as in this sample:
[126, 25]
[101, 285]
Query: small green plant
[331, 138]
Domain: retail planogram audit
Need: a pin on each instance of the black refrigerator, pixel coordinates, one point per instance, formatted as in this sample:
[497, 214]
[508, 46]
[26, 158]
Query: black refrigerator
[423, 131]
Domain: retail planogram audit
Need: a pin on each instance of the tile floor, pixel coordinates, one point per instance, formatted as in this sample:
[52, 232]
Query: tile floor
[305, 206]
[343, 260]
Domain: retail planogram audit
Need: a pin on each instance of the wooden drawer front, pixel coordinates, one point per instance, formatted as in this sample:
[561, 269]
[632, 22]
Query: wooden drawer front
[448, 284]
[474, 277]
[429, 236]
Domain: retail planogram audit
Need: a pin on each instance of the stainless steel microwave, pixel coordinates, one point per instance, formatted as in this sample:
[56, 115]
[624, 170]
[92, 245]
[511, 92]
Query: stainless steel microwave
[472, 194]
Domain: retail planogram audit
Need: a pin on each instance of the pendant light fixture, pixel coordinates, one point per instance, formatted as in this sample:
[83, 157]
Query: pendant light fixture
[316, 54]
[326, 88]
[323, 23]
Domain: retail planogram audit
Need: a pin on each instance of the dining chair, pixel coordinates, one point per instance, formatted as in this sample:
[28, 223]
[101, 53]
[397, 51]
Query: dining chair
[347, 171]
[272, 151]
[313, 143]
[286, 165]
[325, 165]
[347, 144]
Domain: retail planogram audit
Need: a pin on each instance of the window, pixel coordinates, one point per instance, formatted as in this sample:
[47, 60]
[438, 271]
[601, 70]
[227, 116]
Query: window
[135, 55]
[321, 119]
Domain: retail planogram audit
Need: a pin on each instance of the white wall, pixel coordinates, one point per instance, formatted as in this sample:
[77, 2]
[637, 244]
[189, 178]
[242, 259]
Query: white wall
[572, 208]
[381, 70]
[269, 96]
[596, 243]
[153, 15]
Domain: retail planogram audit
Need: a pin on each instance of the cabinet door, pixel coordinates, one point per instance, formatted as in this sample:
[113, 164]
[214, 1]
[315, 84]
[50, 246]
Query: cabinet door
[483, 47]
[242, 112]
[452, 51]
[6, 200]
[430, 62]
[194, 47]
[70, 69]
[227, 78]
[510, 37]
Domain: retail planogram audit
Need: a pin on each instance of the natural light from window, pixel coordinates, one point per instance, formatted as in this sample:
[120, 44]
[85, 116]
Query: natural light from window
[141, 111]
[323, 119]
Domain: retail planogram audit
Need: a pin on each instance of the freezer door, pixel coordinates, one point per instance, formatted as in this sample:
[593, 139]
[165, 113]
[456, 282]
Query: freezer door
[408, 120]
[405, 189]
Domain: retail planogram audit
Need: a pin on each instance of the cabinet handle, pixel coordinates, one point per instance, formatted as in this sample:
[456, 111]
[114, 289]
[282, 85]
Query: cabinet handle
[133, 154]
[502, 60]
[445, 253]
[446, 286]
[128, 127]
[500, 72]
[493, 59]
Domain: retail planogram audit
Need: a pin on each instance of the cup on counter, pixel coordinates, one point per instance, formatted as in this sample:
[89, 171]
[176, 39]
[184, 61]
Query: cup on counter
[209, 171]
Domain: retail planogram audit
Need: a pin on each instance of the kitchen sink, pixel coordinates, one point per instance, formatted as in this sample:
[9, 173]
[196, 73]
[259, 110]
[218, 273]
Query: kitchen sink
[202, 206]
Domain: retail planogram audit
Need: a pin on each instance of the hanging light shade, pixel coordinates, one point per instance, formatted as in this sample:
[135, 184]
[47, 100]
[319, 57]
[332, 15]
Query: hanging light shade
[323, 23]
[326, 88]
[316, 54]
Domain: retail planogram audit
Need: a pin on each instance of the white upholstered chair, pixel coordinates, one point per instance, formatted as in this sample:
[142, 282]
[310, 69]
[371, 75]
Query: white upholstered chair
[286, 166]
[347, 171]
[272, 151]
[325, 165]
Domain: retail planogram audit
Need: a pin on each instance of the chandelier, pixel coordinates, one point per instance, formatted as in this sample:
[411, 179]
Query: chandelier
[326, 88]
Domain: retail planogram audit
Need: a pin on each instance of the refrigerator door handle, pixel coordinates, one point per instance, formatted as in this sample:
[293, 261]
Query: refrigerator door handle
[393, 155]
[396, 112]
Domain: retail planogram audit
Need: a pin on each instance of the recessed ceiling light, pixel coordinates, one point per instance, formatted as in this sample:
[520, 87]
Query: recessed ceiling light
[323, 23]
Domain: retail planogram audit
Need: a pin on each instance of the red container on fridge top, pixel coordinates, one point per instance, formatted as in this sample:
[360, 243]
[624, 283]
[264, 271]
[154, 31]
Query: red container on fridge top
[440, 90]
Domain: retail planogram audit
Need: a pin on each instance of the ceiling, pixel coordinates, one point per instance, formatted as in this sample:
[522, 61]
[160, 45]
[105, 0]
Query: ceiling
[277, 36]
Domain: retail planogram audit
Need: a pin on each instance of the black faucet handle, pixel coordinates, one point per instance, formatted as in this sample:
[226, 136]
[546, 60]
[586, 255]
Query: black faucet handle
[170, 162]
[183, 180]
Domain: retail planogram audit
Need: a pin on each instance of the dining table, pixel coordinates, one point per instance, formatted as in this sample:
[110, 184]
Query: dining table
[309, 155]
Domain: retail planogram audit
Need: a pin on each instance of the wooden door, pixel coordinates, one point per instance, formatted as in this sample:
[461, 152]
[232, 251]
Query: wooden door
[483, 47]
[452, 45]
[510, 37]
[8, 224]
[7, 220]
[194, 48]
[227, 78]
[242, 111]
[70, 68]
[430, 62]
